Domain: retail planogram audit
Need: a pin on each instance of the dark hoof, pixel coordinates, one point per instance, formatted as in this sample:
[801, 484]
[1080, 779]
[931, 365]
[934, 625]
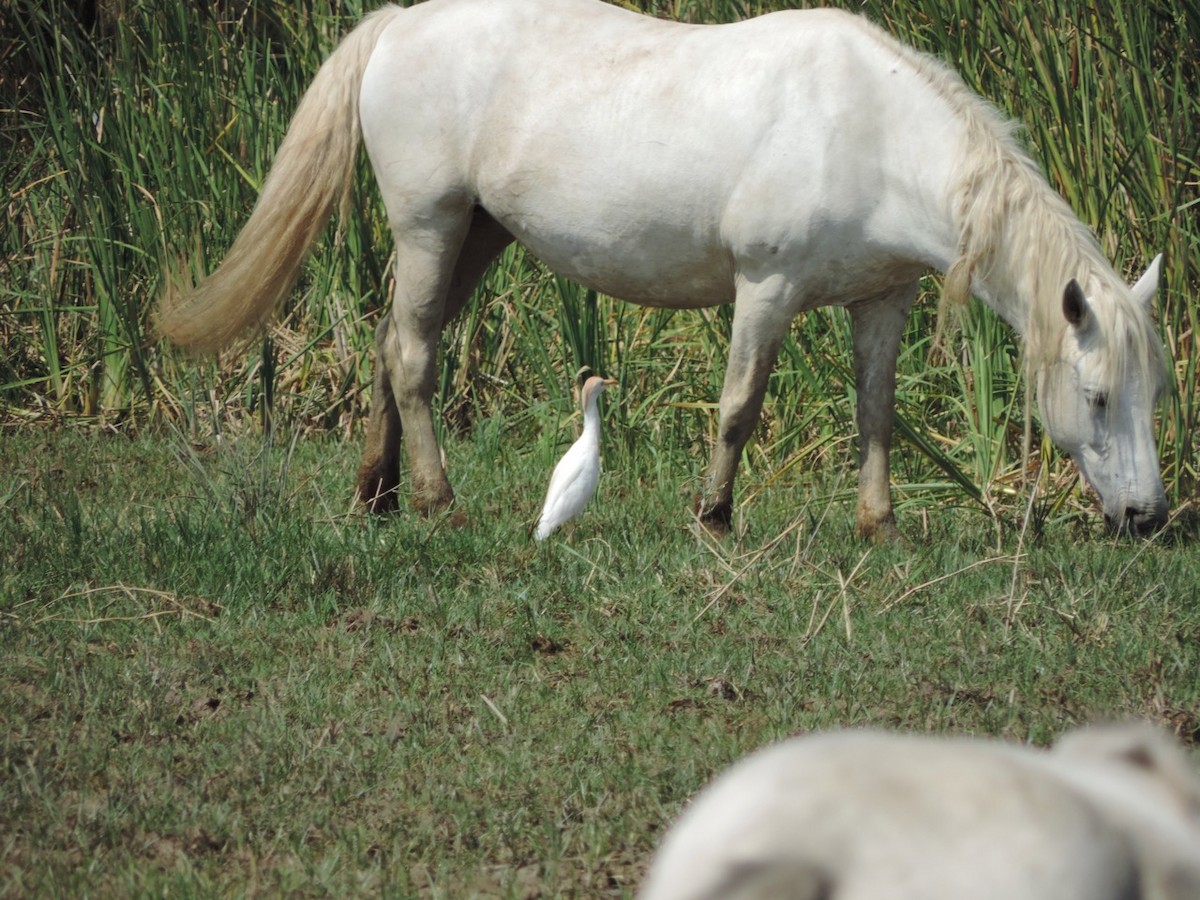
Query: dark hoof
[378, 493]
[442, 512]
[716, 520]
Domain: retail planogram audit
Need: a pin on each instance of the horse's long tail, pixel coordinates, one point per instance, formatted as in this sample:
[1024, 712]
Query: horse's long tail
[311, 173]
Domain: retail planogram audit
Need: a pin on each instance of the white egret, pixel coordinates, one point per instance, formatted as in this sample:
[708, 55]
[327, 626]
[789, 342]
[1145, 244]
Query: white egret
[574, 478]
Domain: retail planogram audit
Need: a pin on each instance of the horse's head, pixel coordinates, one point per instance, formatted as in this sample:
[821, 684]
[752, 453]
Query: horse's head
[1097, 402]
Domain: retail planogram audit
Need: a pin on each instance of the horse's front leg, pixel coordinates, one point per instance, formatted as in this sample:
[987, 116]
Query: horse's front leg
[759, 324]
[877, 325]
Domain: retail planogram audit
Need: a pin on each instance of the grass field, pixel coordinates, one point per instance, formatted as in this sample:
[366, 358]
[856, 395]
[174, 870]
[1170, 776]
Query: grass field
[218, 678]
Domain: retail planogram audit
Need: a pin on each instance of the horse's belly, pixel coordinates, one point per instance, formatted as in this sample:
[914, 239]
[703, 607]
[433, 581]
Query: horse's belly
[599, 208]
[658, 267]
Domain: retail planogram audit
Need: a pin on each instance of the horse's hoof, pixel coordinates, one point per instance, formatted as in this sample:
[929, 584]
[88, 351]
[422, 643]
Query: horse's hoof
[383, 504]
[453, 514]
[440, 506]
[882, 533]
[378, 494]
[716, 520]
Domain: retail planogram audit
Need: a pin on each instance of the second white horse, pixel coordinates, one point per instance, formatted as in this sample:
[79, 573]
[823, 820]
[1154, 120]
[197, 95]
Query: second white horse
[1110, 814]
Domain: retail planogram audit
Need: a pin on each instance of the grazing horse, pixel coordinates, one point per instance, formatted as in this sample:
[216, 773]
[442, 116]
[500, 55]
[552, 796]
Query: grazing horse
[1111, 813]
[791, 161]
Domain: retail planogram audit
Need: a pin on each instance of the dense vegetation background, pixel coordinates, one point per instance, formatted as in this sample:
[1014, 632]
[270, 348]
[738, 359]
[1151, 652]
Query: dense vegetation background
[137, 132]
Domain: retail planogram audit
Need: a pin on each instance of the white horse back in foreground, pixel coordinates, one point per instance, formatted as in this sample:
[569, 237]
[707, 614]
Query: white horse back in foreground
[1110, 813]
[797, 160]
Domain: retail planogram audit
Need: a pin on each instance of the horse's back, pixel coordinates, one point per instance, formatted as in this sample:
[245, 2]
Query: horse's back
[640, 156]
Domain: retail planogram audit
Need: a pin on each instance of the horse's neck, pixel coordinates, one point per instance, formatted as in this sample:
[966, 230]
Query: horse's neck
[1007, 296]
[1025, 244]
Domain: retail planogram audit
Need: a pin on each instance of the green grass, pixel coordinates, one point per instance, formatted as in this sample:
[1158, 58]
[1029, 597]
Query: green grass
[217, 678]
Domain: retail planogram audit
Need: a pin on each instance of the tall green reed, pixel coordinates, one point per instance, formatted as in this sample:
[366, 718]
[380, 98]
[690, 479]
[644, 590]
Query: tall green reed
[147, 137]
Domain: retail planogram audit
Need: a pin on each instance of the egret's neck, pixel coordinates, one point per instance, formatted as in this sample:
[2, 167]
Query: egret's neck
[591, 419]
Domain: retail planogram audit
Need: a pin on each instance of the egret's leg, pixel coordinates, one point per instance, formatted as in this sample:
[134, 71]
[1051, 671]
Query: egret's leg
[877, 325]
[760, 320]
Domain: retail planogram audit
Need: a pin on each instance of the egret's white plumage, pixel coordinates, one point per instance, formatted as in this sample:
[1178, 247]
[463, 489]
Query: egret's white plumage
[574, 478]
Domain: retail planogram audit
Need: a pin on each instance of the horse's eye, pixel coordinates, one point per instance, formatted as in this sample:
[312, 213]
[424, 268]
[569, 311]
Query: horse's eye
[1098, 400]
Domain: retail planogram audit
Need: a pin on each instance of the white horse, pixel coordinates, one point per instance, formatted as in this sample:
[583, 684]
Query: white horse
[783, 163]
[1111, 814]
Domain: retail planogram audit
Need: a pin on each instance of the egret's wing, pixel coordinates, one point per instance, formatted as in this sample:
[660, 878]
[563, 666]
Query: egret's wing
[571, 485]
[567, 470]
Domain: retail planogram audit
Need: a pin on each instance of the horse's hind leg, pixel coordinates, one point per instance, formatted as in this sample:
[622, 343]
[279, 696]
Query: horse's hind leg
[877, 325]
[430, 291]
[379, 473]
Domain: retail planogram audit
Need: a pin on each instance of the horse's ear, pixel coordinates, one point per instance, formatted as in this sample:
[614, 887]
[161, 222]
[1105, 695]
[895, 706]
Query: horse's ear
[1147, 285]
[1075, 305]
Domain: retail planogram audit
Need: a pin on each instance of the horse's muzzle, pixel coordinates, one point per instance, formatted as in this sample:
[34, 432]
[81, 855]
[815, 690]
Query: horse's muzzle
[1136, 521]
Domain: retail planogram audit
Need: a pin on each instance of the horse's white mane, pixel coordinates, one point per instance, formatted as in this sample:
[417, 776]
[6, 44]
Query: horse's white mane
[1023, 240]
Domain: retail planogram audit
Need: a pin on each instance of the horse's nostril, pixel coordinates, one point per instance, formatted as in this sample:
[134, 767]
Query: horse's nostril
[1143, 521]
[1136, 521]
